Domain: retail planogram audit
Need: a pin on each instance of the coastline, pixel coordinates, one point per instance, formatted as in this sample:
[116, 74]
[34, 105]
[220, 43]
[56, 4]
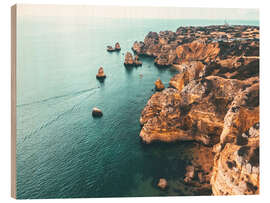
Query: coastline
[213, 100]
[106, 146]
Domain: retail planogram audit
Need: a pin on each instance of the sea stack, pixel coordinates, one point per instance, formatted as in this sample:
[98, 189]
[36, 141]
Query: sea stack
[162, 184]
[137, 62]
[96, 112]
[117, 47]
[101, 74]
[128, 59]
[159, 85]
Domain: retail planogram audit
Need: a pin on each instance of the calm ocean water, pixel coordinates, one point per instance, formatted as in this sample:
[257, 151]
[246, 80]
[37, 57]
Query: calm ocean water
[62, 151]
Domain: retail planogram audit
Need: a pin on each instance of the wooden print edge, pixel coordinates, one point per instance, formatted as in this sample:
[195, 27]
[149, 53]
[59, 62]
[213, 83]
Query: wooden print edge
[13, 99]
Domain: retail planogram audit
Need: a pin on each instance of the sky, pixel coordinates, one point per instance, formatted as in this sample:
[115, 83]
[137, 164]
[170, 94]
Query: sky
[138, 12]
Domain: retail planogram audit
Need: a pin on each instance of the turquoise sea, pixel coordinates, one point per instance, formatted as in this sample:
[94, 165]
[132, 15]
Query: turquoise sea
[62, 151]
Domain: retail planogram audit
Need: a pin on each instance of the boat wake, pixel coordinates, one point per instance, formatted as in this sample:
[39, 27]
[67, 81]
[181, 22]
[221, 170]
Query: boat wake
[57, 97]
[66, 105]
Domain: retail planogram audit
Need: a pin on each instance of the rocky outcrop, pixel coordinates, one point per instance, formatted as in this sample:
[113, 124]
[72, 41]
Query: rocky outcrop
[189, 71]
[110, 49]
[101, 75]
[116, 47]
[213, 100]
[236, 163]
[198, 50]
[195, 113]
[206, 44]
[129, 61]
[190, 173]
[137, 61]
[96, 112]
[198, 172]
[162, 183]
[166, 57]
[138, 47]
[159, 85]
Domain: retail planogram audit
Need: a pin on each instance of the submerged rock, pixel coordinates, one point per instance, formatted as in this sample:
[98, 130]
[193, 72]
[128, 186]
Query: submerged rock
[96, 112]
[162, 184]
[110, 48]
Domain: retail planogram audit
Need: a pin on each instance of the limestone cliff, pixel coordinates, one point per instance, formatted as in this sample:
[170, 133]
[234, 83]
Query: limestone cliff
[236, 163]
[213, 100]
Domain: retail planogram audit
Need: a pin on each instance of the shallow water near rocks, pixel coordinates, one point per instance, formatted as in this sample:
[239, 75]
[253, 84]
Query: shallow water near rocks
[62, 151]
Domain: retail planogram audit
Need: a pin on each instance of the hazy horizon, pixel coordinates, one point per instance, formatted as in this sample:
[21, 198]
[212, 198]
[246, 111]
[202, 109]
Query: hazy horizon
[137, 12]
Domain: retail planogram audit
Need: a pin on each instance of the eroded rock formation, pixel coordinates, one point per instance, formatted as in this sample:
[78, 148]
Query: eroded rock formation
[137, 61]
[130, 61]
[96, 112]
[110, 49]
[195, 113]
[101, 75]
[236, 163]
[159, 85]
[162, 183]
[214, 100]
[207, 44]
[116, 47]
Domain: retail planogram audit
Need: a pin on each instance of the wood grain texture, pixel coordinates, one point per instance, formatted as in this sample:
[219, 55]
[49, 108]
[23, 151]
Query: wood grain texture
[13, 99]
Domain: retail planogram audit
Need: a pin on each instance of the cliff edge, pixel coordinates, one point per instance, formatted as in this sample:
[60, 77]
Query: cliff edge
[213, 100]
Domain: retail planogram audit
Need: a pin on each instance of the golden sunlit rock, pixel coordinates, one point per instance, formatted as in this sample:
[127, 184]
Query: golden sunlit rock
[213, 100]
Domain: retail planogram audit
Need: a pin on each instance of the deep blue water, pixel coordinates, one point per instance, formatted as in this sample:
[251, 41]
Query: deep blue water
[62, 151]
